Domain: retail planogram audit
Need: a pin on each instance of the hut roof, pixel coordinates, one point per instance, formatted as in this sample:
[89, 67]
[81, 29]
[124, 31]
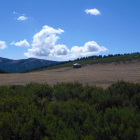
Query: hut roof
[76, 64]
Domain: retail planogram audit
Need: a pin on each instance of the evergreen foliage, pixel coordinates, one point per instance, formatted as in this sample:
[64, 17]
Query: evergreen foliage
[70, 111]
[2, 71]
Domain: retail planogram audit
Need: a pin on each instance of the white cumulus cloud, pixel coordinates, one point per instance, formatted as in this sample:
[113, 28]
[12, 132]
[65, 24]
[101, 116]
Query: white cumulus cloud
[44, 44]
[60, 50]
[22, 43]
[22, 18]
[3, 45]
[93, 11]
[89, 48]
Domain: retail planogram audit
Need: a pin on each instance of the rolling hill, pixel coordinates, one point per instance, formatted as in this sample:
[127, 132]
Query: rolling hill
[117, 58]
[22, 65]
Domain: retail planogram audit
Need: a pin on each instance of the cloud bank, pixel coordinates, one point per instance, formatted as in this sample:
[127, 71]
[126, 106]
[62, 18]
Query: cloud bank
[3, 45]
[23, 43]
[45, 45]
[93, 12]
[89, 48]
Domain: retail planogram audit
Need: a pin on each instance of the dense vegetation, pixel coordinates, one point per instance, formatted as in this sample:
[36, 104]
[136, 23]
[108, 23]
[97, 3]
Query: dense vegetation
[95, 59]
[70, 111]
[2, 71]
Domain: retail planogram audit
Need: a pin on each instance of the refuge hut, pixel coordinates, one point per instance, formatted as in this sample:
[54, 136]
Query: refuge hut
[76, 65]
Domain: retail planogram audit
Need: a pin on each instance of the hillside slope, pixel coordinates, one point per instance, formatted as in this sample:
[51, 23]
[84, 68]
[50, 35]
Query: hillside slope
[96, 74]
[17, 66]
[117, 58]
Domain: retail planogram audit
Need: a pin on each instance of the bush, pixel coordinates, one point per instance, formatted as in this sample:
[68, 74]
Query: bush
[79, 112]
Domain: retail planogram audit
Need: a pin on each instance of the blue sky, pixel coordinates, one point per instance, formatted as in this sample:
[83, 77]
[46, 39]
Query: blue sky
[67, 29]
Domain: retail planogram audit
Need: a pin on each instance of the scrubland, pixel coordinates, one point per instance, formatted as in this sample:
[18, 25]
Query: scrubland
[70, 111]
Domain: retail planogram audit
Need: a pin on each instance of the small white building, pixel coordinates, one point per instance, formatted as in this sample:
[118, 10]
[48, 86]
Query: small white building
[76, 65]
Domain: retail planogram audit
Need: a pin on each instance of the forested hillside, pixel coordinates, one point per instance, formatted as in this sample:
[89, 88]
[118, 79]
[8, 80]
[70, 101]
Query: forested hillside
[70, 111]
[22, 65]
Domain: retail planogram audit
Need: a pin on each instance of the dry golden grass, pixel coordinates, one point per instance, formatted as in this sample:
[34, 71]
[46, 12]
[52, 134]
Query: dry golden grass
[97, 74]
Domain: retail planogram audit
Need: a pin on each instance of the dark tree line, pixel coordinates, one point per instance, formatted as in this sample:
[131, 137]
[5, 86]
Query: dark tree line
[104, 56]
[2, 71]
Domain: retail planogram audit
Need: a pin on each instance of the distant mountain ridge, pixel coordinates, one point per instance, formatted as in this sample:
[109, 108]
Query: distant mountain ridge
[22, 65]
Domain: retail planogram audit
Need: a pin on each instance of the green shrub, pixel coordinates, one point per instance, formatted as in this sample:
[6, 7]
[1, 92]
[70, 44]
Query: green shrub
[79, 112]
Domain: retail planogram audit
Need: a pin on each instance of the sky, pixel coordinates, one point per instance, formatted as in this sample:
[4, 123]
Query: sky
[68, 29]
